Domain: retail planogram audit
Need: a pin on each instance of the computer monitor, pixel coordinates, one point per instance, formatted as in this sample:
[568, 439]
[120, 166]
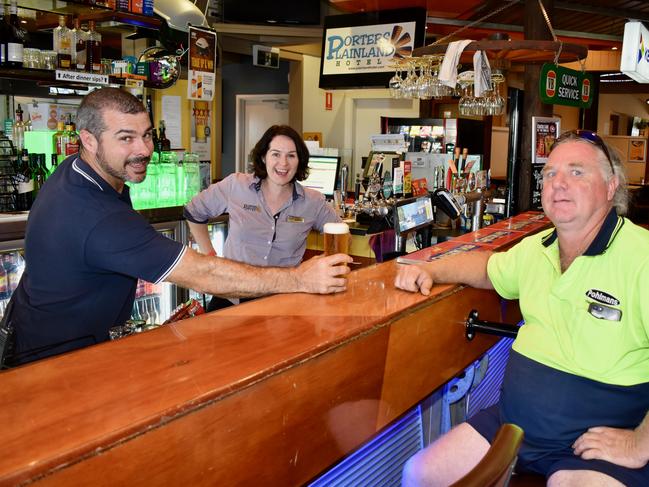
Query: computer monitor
[413, 214]
[323, 174]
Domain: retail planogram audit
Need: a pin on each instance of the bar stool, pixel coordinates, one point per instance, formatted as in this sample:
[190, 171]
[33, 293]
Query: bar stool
[495, 469]
[474, 325]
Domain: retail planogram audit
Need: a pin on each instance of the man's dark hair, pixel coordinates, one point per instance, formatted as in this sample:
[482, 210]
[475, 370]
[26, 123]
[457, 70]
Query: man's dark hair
[90, 115]
[260, 149]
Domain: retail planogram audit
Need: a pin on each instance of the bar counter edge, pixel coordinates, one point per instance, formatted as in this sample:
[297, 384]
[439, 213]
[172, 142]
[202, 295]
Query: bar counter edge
[272, 391]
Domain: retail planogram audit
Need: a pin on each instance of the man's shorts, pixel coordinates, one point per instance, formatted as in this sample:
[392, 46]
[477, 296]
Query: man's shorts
[554, 408]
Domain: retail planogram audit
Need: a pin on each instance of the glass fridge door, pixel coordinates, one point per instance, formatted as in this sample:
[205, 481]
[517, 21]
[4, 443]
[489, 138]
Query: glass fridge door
[155, 302]
[218, 231]
[12, 265]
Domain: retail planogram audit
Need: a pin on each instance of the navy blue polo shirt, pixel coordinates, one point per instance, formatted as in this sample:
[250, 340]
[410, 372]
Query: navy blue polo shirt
[85, 248]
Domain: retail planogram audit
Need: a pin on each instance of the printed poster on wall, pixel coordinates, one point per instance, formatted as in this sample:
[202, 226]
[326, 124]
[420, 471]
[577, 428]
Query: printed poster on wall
[545, 132]
[201, 140]
[202, 64]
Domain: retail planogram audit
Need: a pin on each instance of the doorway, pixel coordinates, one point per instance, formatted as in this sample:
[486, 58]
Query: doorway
[254, 114]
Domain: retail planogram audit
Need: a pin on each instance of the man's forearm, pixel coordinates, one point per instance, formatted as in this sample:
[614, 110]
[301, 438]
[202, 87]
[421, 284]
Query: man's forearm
[223, 277]
[466, 268]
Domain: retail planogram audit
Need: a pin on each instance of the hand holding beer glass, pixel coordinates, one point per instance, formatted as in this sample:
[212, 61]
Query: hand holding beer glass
[337, 239]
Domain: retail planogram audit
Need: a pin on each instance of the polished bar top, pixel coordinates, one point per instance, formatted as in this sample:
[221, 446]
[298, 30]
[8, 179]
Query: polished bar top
[247, 382]
[60, 409]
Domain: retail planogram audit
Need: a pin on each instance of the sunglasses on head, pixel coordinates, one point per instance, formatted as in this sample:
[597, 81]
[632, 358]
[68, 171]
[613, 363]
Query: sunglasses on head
[593, 138]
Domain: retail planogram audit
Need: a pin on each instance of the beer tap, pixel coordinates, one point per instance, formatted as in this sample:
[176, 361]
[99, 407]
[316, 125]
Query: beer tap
[343, 188]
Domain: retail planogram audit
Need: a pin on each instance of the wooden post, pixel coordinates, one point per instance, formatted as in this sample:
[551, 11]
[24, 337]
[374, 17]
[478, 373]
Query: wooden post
[535, 28]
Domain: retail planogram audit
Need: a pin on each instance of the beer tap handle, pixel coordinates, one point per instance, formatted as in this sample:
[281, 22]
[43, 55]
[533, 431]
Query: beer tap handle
[343, 187]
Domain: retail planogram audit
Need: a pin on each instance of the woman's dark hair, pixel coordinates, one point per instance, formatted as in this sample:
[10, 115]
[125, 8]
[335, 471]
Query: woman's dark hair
[260, 149]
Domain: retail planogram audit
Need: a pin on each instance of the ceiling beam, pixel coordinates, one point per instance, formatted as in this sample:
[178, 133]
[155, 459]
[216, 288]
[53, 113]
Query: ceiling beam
[622, 13]
[519, 28]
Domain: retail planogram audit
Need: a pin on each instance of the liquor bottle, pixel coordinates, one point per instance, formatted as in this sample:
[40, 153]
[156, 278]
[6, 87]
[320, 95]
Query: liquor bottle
[18, 130]
[16, 39]
[36, 176]
[79, 37]
[149, 107]
[58, 143]
[27, 122]
[72, 139]
[165, 143]
[93, 49]
[62, 44]
[25, 184]
[54, 163]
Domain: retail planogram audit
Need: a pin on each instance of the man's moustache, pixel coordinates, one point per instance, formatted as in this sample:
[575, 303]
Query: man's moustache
[138, 160]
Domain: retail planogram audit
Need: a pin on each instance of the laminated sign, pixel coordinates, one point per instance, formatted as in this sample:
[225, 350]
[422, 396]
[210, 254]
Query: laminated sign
[563, 86]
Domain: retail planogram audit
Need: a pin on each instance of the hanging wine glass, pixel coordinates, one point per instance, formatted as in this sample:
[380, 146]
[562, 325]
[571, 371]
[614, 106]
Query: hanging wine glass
[424, 83]
[498, 102]
[409, 85]
[465, 82]
[395, 82]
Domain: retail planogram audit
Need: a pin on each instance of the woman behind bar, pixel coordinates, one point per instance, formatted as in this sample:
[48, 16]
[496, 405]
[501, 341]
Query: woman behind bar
[270, 212]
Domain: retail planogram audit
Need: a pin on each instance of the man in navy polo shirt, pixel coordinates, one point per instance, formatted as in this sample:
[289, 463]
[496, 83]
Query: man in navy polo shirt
[85, 246]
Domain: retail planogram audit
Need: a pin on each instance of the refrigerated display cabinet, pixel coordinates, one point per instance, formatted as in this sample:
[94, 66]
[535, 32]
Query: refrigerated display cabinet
[442, 135]
[153, 302]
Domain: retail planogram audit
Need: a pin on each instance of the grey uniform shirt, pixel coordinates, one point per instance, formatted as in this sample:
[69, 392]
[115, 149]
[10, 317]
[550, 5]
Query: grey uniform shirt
[255, 236]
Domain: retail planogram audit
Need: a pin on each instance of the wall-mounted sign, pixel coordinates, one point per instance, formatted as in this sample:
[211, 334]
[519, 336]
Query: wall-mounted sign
[91, 78]
[201, 74]
[360, 50]
[635, 52]
[563, 86]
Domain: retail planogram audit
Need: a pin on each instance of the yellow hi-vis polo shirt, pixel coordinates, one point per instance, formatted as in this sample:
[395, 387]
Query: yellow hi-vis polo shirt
[592, 320]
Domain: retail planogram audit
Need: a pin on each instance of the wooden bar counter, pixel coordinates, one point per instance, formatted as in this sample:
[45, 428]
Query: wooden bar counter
[270, 392]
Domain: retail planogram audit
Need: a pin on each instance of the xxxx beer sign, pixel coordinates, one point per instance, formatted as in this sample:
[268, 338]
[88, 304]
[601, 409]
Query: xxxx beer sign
[563, 86]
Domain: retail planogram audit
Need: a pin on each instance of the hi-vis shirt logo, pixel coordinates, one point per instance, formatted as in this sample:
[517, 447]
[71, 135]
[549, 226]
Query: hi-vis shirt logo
[251, 208]
[602, 297]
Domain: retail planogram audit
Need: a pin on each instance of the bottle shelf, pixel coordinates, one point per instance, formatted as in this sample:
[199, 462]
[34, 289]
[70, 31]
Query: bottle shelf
[103, 18]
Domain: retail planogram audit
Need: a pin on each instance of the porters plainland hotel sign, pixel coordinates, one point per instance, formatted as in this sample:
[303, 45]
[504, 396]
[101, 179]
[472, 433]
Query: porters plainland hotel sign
[360, 50]
[370, 48]
[563, 86]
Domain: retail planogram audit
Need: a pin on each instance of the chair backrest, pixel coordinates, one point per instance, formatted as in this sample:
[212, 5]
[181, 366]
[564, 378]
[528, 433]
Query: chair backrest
[496, 468]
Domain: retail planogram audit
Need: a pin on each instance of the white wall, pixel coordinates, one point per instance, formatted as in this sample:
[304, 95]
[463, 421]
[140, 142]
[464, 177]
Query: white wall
[355, 114]
[633, 105]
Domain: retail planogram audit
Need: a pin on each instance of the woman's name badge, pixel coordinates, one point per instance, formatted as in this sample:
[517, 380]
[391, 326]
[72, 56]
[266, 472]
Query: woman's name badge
[295, 219]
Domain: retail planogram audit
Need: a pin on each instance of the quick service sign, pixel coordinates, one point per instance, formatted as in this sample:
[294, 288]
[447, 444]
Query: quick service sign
[367, 48]
[635, 52]
[563, 86]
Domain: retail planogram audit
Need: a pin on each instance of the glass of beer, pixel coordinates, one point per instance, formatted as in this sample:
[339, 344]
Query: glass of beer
[337, 238]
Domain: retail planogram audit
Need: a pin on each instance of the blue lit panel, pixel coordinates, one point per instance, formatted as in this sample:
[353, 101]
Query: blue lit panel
[380, 461]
